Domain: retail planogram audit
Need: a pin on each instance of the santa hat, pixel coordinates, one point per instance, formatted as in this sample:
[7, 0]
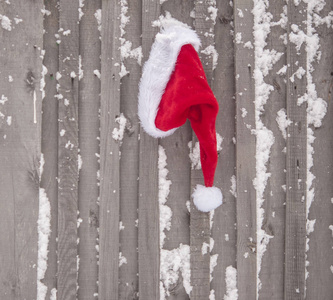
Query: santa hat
[174, 88]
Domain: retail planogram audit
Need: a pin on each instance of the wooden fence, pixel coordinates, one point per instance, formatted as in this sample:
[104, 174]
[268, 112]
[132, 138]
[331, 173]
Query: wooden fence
[81, 213]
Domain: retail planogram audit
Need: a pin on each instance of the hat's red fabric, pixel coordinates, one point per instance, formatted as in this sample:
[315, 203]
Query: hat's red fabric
[188, 96]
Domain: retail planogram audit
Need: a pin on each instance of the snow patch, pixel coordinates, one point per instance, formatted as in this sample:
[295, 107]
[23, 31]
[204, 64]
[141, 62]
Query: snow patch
[210, 50]
[53, 295]
[118, 133]
[231, 284]
[98, 16]
[163, 192]
[283, 122]
[81, 13]
[6, 23]
[97, 73]
[233, 188]
[264, 61]
[122, 259]
[44, 230]
[212, 265]
[173, 262]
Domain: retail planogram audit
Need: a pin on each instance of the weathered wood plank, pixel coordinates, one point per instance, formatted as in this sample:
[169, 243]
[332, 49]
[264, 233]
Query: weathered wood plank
[148, 182]
[20, 135]
[178, 164]
[245, 154]
[109, 153]
[199, 222]
[223, 230]
[89, 124]
[68, 149]
[273, 224]
[296, 163]
[129, 161]
[320, 245]
[50, 134]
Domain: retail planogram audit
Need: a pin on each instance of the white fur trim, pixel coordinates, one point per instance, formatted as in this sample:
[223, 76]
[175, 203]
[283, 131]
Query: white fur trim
[207, 198]
[158, 69]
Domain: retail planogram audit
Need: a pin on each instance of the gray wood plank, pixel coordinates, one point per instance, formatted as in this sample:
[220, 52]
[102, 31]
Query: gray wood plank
[50, 134]
[148, 182]
[320, 254]
[272, 263]
[68, 149]
[129, 172]
[178, 165]
[296, 164]
[89, 124]
[223, 230]
[109, 153]
[129, 161]
[245, 155]
[199, 221]
[20, 135]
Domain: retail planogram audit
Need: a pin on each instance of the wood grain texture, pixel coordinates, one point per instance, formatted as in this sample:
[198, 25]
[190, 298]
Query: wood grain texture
[50, 135]
[294, 280]
[109, 153]
[245, 155]
[148, 182]
[272, 264]
[20, 135]
[223, 85]
[179, 167]
[68, 150]
[320, 254]
[199, 221]
[129, 161]
[89, 124]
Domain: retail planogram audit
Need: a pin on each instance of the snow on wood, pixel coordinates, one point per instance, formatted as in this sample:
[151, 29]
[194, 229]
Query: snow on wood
[283, 122]
[81, 13]
[126, 50]
[231, 284]
[122, 259]
[163, 193]
[118, 133]
[6, 23]
[233, 187]
[264, 61]
[173, 263]
[53, 295]
[316, 107]
[210, 50]
[98, 16]
[44, 230]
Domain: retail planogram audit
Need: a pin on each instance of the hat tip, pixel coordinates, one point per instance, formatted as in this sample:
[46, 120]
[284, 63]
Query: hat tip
[206, 199]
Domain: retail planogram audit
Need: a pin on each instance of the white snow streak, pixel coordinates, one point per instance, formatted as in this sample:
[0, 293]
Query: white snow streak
[164, 189]
[283, 122]
[175, 261]
[44, 230]
[231, 284]
[126, 46]
[264, 61]
[316, 107]
[122, 259]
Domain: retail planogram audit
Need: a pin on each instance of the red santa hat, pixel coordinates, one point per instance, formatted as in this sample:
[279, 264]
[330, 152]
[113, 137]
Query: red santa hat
[174, 88]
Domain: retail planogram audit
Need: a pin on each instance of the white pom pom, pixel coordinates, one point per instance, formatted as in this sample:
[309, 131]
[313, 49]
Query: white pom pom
[207, 198]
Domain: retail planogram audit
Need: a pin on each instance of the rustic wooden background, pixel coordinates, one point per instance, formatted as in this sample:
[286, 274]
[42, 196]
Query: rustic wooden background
[107, 210]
